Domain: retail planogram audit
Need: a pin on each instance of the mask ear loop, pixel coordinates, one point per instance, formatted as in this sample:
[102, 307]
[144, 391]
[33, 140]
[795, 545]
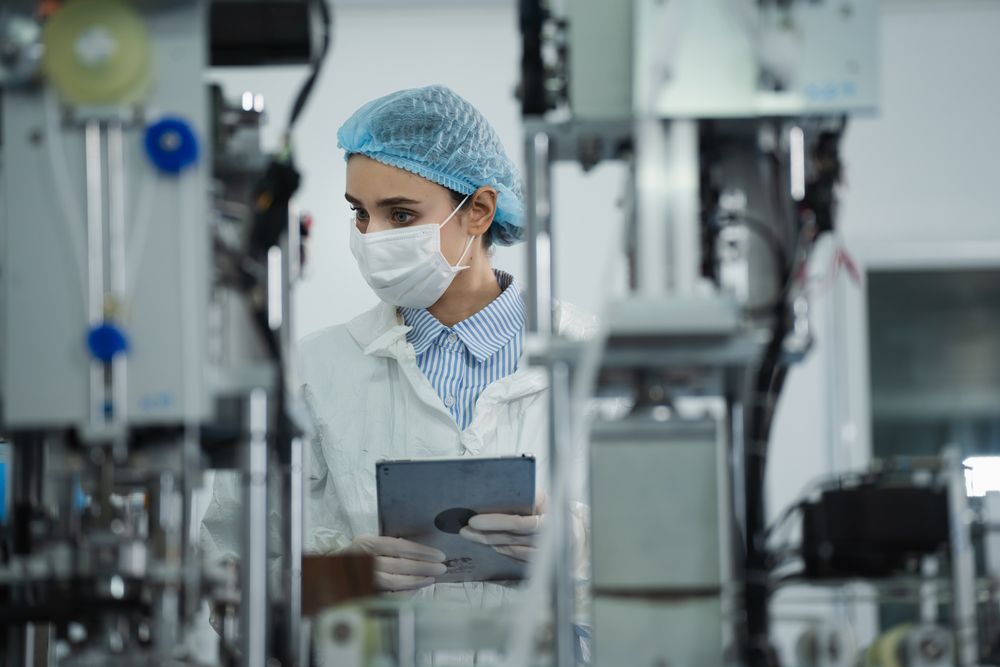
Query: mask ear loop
[457, 209]
[468, 246]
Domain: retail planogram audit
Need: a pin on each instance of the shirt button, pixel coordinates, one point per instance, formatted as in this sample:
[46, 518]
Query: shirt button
[450, 401]
[453, 338]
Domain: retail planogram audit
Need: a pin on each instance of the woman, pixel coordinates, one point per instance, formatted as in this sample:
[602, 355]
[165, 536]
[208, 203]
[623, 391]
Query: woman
[435, 369]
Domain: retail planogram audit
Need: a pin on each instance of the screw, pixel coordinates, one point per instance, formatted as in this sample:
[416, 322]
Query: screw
[342, 632]
[931, 649]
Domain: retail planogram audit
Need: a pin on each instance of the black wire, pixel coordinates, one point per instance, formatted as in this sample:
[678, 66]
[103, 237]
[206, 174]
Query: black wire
[779, 255]
[768, 383]
[307, 87]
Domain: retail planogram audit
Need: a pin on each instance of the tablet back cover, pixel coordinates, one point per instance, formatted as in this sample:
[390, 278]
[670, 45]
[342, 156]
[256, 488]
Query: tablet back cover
[428, 501]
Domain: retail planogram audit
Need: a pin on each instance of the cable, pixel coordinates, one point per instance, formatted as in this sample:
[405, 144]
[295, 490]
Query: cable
[307, 87]
[779, 253]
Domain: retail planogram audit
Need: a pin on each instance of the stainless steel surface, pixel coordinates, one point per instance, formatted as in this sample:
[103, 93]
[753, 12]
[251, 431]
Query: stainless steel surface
[66, 195]
[743, 59]
[600, 73]
[684, 633]
[659, 495]
[667, 195]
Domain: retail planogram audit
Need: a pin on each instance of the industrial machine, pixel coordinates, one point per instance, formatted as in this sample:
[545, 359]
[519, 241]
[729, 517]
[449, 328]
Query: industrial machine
[147, 252]
[728, 115]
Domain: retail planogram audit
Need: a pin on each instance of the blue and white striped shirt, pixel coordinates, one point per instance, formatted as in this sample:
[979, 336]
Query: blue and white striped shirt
[461, 361]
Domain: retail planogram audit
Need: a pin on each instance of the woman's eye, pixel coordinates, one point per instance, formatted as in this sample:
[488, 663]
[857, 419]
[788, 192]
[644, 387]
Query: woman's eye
[360, 214]
[402, 217]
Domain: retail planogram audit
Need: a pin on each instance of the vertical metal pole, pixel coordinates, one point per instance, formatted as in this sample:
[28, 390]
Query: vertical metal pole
[254, 573]
[292, 495]
[406, 633]
[541, 274]
[963, 564]
[560, 442]
[166, 522]
[117, 243]
[95, 257]
[668, 207]
[192, 482]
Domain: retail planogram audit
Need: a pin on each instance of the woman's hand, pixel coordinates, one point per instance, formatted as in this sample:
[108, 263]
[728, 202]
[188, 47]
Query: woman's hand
[509, 534]
[400, 565]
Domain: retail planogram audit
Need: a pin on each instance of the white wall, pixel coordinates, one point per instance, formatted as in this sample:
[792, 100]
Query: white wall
[474, 49]
[922, 172]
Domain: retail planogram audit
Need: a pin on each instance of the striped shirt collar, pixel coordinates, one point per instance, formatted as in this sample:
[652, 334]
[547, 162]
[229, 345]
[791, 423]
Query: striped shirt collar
[483, 334]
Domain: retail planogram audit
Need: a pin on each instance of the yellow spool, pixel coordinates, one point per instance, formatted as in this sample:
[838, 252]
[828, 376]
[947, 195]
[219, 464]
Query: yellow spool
[96, 53]
[885, 651]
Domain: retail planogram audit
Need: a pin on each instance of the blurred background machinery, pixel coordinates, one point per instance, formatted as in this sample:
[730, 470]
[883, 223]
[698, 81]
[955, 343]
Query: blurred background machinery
[148, 251]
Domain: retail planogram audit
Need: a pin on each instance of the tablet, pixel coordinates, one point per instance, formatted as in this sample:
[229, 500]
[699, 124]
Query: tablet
[429, 501]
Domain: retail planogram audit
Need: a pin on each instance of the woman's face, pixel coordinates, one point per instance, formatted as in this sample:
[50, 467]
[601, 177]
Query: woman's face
[384, 198]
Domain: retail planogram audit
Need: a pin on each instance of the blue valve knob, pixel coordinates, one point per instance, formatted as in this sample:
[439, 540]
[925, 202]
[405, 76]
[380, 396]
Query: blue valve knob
[106, 341]
[171, 145]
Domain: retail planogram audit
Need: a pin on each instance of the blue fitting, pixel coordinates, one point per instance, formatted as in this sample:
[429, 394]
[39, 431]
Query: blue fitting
[171, 145]
[106, 341]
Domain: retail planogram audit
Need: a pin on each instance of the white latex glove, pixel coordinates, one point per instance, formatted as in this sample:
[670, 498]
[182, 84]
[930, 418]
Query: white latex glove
[400, 565]
[509, 534]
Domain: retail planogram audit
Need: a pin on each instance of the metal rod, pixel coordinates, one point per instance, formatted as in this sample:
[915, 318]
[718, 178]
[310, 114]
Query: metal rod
[292, 534]
[541, 282]
[963, 572]
[254, 573]
[117, 242]
[192, 481]
[275, 288]
[95, 256]
[406, 628]
[668, 207]
[797, 162]
[560, 443]
[168, 527]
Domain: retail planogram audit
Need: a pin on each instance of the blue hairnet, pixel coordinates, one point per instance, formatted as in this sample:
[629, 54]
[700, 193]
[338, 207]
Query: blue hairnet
[434, 133]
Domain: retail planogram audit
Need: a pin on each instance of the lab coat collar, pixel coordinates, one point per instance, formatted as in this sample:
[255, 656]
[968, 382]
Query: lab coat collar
[379, 330]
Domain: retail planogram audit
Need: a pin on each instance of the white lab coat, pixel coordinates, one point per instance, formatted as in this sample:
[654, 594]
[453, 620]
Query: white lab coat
[369, 401]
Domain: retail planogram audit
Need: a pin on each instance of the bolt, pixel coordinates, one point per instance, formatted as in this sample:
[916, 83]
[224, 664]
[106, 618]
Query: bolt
[342, 632]
[931, 649]
[170, 141]
[35, 136]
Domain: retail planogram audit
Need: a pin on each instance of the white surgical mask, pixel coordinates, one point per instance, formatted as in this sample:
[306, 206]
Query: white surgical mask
[405, 266]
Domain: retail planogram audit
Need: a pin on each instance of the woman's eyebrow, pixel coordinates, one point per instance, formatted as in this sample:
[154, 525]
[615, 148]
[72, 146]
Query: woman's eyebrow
[395, 201]
[383, 203]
